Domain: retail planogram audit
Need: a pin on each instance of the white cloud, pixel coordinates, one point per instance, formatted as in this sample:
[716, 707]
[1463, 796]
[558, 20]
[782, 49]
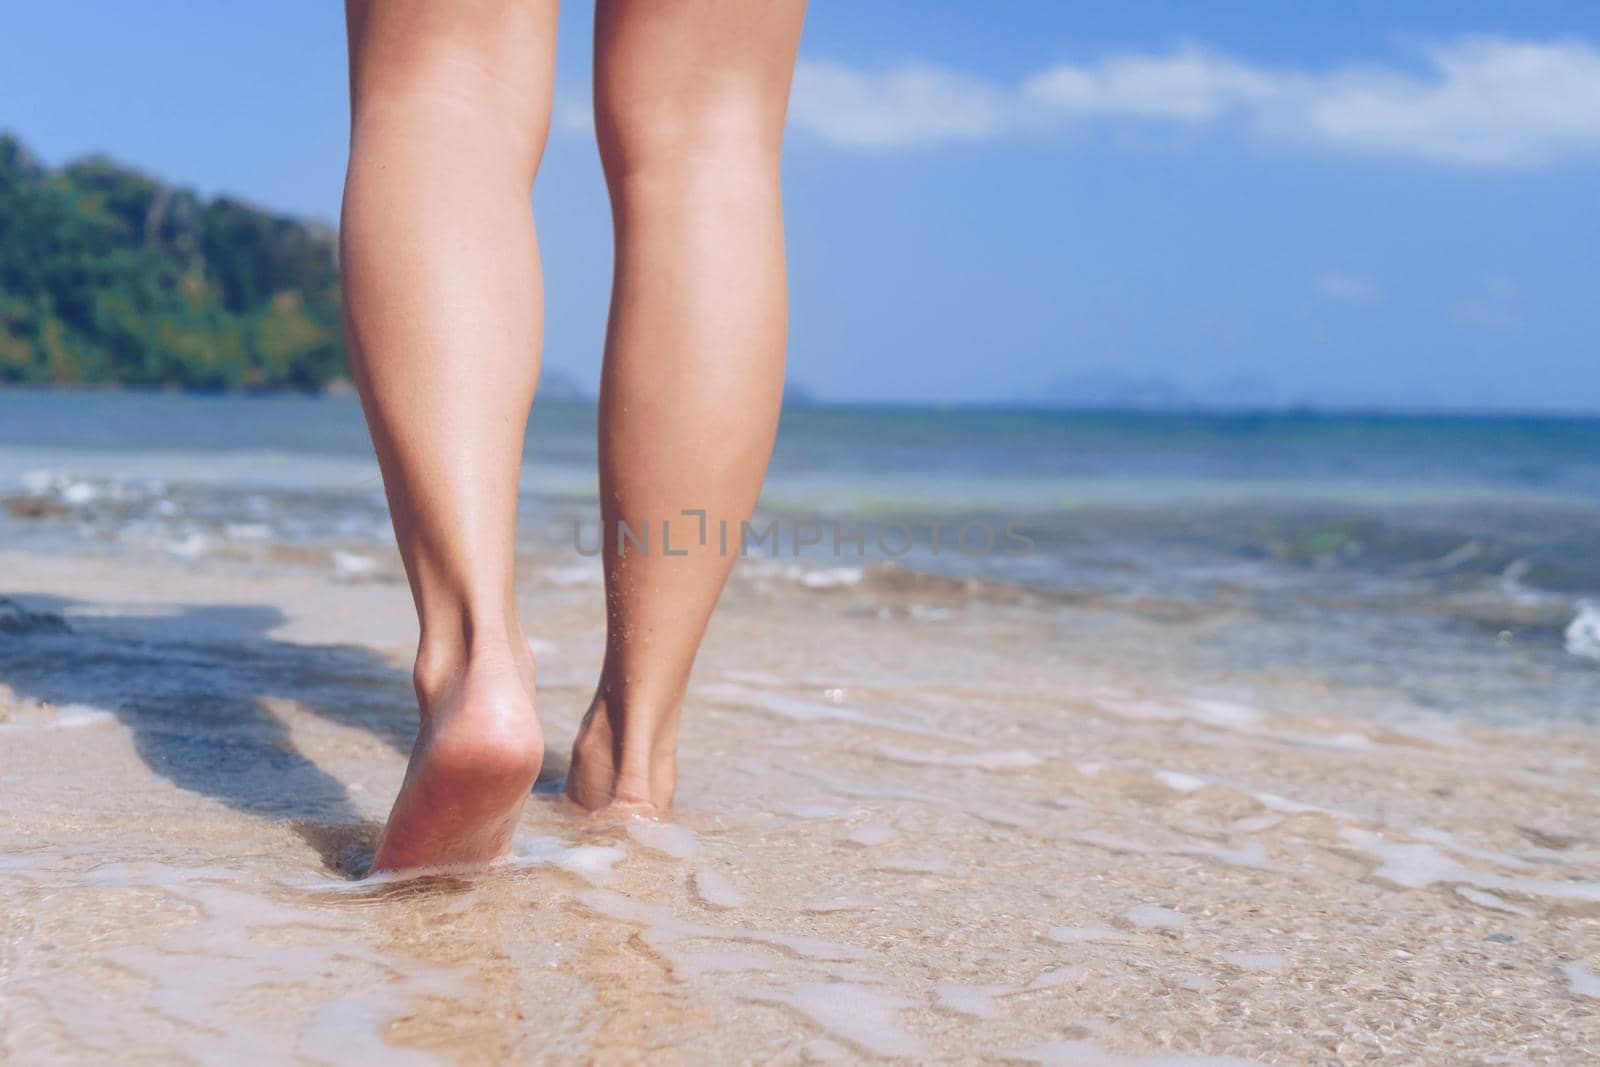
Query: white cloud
[1189, 86]
[912, 106]
[1488, 102]
[1348, 287]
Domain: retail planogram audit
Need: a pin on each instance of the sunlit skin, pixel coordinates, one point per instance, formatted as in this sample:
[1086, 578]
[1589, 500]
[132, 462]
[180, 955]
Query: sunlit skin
[450, 109]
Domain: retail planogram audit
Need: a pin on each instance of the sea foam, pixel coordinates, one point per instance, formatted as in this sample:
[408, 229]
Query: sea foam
[1583, 632]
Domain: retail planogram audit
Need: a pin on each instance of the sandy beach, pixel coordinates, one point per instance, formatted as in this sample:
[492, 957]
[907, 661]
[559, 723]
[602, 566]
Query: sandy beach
[1148, 457]
[919, 821]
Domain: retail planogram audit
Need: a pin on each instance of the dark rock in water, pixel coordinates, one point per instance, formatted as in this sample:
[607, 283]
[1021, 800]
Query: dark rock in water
[34, 507]
[18, 620]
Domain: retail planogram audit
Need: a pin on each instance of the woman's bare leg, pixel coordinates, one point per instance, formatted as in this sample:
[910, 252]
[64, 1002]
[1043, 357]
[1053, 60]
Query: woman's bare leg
[690, 99]
[450, 106]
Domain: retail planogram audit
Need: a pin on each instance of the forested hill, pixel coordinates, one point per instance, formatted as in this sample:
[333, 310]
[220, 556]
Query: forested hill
[108, 275]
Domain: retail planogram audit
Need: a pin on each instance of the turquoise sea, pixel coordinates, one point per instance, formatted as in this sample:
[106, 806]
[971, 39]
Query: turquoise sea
[1456, 559]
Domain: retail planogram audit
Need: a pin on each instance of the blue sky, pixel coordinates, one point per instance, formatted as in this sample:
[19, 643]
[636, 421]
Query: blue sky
[1356, 204]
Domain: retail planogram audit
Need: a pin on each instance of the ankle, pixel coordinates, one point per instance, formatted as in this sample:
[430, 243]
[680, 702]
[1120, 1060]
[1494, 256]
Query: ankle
[625, 753]
[635, 724]
[468, 645]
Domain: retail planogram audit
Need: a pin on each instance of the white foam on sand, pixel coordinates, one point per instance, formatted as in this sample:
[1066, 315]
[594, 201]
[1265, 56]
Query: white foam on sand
[997, 816]
[979, 1001]
[1257, 961]
[974, 1000]
[1292, 807]
[1115, 843]
[1417, 866]
[861, 1015]
[1057, 976]
[801, 710]
[715, 890]
[872, 835]
[1485, 899]
[796, 708]
[822, 1050]
[1178, 780]
[824, 907]
[1250, 854]
[1432, 730]
[874, 792]
[988, 761]
[1068, 935]
[667, 838]
[349, 1031]
[1348, 740]
[663, 928]
[1088, 1054]
[592, 863]
[1225, 715]
[1154, 916]
[688, 963]
[1221, 714]
[916, 865]
[1450, 842]
[1411, 865]
[1581, 982]
[755, 678]
[818, 811]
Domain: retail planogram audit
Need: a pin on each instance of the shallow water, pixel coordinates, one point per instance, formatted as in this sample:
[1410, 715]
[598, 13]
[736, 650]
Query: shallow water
[1277, 810]
[948, 839]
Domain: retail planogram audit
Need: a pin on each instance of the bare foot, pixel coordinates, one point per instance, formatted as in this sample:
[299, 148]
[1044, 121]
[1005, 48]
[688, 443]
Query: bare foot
[477, 754]
[621, 764]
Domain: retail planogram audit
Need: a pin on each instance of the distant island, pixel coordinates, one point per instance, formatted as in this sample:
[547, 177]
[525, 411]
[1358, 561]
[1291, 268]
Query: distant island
[110, 276]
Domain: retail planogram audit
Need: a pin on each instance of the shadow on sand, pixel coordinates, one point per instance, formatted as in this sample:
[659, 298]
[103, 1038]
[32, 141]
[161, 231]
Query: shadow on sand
[189, 682]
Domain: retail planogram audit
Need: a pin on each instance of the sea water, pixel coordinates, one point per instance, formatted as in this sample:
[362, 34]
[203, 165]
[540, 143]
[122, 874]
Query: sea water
[1456, 556]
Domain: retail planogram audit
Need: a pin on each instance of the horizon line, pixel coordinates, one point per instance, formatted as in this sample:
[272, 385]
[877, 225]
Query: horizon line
[1301, 409]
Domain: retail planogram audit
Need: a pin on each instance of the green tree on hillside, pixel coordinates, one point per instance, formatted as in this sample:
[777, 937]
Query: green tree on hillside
[107, 275]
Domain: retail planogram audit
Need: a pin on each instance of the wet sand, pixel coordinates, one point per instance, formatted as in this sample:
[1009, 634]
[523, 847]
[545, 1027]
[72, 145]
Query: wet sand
[917, 822]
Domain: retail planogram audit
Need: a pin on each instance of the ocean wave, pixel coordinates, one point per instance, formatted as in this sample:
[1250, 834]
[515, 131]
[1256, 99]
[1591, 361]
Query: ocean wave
[1583, 632]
